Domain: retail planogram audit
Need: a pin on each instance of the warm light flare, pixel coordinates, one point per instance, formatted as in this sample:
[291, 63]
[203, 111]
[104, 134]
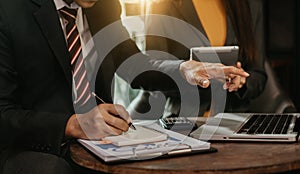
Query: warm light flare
[138, 7]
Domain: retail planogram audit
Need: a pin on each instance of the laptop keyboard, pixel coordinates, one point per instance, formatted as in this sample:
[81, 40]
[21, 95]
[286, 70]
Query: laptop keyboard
[267, 124]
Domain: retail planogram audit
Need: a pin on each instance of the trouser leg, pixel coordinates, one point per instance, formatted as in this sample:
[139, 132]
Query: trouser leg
[30, 162]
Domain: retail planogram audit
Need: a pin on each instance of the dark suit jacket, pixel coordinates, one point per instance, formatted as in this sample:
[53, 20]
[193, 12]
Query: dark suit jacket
[184, 10]
[35, 73]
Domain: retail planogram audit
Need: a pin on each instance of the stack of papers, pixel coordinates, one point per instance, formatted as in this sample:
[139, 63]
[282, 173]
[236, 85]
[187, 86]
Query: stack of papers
[146, 146]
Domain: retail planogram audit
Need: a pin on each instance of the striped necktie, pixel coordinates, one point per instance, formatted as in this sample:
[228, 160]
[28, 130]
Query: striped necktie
[82, 86]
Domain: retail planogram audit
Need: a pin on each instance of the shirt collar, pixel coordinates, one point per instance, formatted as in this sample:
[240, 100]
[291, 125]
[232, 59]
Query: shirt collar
[60, 4]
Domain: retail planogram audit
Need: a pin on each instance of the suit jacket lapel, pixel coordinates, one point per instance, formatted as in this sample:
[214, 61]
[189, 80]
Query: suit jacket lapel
[48, 20]
[190, 15]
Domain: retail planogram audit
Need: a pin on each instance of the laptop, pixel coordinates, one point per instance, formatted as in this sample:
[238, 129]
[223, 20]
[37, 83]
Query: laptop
[250, 127]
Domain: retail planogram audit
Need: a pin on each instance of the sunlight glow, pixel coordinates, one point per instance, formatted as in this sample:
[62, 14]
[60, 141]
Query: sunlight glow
[137, 7]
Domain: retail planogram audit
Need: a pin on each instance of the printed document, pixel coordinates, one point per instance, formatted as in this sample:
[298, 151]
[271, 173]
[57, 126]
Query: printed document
[168, 143]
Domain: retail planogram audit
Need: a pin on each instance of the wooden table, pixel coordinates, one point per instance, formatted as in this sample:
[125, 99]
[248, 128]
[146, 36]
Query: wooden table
[230, 158]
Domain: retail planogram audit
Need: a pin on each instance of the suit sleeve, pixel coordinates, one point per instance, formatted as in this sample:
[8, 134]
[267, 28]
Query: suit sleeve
[256, 82]
[125, 58]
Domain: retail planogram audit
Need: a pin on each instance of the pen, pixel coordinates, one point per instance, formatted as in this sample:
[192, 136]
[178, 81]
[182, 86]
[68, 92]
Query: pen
[129, 124]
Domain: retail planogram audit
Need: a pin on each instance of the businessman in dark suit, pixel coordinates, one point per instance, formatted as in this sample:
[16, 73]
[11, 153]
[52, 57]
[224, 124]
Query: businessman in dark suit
[37, 111]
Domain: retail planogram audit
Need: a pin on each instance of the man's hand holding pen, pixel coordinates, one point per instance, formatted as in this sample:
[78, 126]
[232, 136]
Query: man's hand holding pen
[101, 100]
[103, 120]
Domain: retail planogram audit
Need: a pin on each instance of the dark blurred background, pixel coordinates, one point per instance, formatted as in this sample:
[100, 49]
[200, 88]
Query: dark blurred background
[283, 43]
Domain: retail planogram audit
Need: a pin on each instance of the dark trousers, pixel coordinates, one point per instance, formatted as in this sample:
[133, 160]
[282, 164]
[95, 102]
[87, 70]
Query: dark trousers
[29, 162]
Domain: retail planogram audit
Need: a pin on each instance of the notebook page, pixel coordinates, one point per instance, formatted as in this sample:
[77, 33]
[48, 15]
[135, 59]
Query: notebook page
[139, 136]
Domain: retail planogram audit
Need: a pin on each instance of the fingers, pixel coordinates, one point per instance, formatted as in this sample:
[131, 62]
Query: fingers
[119, 111]
[204, 83]
[103, 120]
[219, 71]
[200, 73]
[238, 81]
[116, 117]
[231, 70]
[234, 83]
[239, 65]
[237, 77]
[243, 82]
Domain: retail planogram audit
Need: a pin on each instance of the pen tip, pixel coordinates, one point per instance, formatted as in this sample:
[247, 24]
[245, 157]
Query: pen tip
[132, 126]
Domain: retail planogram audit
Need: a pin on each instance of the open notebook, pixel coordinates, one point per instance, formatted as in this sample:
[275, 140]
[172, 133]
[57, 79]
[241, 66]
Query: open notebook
[152, 142]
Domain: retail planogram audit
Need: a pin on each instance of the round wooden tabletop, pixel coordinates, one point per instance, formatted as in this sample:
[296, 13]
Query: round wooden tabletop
[230, 158]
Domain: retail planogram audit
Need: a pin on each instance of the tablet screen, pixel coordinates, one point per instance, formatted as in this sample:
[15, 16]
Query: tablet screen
[228, 55]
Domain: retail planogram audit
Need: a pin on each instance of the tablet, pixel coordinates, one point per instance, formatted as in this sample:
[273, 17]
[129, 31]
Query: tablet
[228, 55]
